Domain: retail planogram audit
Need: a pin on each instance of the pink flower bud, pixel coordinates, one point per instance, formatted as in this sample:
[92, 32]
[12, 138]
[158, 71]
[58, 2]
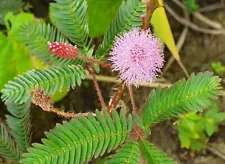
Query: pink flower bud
[63, 50]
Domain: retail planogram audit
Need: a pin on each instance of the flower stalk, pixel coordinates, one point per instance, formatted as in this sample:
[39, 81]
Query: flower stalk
[97, 88]
[116, 97]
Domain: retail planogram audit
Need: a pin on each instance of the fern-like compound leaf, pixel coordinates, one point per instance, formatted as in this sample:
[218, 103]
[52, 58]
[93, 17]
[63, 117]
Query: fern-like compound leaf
[129, 153]
[81, 139]
[153, 155]
[8, 147]
[50, 80]
[19, 123]
[129, 15]
[69, 16]
[191, 95]
[36, 36]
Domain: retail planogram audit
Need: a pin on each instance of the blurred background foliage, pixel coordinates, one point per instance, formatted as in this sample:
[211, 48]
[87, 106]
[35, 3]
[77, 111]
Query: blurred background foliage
[9, 5]
[14, 56]
[194, 129]
[99, 20]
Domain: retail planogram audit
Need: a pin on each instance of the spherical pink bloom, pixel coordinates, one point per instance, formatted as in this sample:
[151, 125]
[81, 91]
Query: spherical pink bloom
[63, 50]
[138, 56]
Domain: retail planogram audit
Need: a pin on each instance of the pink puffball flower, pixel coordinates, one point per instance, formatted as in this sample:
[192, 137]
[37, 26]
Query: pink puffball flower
[138, 56]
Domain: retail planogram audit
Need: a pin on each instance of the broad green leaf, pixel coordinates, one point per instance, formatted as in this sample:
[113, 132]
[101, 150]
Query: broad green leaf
[13, 23]
[193, 116]
[191, 5]
[59, 95]
[218, 67]
[163, 31]
[191, 131]
[100, 14]
[210, 127]
[219, 117]
[14, 56]
[14, 59]
[9, 5]
[185, 140]
[189, 124]
[198, 145]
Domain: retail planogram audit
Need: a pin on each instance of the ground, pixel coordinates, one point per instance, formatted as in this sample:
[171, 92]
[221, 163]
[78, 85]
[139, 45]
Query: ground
[198, 52]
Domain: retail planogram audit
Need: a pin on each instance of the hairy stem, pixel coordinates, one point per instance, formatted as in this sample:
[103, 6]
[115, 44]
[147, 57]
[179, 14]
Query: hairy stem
[69, 115]
[117, 96]
[148, 14]
[43, 100]
[94, 61]
[98, 90]
[132, 98]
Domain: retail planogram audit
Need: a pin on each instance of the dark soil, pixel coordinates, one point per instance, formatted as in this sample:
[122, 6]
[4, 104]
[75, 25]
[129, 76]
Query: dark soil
[198, 52]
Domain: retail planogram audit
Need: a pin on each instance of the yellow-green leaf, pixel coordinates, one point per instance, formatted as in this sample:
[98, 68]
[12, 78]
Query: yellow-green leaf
[14, 59]
[162, 29]
[14, 22]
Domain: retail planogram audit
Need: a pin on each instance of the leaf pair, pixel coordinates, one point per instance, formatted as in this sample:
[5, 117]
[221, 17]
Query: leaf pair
[82, 139]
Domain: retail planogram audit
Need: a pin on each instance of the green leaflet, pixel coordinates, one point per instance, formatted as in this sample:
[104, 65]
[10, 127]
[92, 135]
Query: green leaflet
[19, 123]
[153, 155]
[129, 16]
[8, 147]
[183, 96]
[140, 124]
[70, 18]
[129, 153]
[50, 80]
[79, 140]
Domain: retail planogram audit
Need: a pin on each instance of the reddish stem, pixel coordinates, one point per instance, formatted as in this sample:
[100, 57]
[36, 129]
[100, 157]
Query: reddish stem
[132, 99]
[42, 99]
[117, 96]
[98, 90]
[69, 115]
[148, 14]
[106, 65]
